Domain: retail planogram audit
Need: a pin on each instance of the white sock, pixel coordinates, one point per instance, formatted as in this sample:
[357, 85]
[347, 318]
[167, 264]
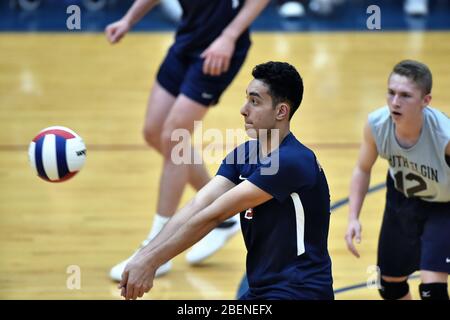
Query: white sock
[158, 223]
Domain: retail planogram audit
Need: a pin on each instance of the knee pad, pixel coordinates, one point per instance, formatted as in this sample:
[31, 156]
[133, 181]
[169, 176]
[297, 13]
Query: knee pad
[393, 290]
[433, 291]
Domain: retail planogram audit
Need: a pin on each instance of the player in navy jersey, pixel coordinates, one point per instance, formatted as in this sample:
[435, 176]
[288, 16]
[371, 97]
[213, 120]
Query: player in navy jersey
[280, 190]
[211, 44]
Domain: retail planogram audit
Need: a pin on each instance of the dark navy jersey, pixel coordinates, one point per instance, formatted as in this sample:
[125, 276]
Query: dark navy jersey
[286, 237]
[203, 21]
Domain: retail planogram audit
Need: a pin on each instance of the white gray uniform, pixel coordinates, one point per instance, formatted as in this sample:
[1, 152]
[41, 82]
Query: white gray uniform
[421, 170]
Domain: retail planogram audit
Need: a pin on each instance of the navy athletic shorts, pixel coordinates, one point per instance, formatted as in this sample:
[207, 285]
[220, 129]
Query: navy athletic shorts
[305, 293]
[415, 235]
[183, 73]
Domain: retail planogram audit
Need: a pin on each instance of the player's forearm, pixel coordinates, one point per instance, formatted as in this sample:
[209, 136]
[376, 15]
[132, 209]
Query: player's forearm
[177, 221]
[188, 233]
[249, 12]
[204, 197]
[239, 198]
[358, 190]
[139, 9]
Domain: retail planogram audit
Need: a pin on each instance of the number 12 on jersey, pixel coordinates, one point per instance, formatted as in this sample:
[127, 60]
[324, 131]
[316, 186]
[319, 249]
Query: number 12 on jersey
[410, 192]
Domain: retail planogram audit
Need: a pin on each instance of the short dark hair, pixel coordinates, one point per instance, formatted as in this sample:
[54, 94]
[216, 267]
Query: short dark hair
[284, 82]
[416, 71]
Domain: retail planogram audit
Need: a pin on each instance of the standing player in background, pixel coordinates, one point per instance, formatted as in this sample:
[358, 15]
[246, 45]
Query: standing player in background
[281, 191]
[415, 139]
[211, 44]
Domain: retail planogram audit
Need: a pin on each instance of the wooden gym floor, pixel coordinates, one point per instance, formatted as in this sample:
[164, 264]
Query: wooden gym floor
[99, 218]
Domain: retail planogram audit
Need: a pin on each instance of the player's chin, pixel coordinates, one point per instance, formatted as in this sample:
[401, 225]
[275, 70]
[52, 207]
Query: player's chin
[251, 132]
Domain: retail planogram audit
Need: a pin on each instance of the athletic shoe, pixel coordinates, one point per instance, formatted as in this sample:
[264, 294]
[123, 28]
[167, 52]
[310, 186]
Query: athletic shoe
[213, 241]
[291, 9]
[416, 7]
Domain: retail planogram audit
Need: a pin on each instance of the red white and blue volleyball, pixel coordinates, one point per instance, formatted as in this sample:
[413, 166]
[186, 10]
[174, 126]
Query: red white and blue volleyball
[57, 154]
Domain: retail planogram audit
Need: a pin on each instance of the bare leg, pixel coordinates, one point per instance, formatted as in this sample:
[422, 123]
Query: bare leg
[175, 176]
[433, 277]
[164, 114]
[161, 120]
[160, 104]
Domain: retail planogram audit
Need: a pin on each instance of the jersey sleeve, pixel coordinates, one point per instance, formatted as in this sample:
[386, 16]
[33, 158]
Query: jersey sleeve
[228, 167]
[293, 174]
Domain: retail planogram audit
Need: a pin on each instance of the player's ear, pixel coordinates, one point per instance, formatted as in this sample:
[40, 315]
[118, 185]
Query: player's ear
[282, 111]
[427, 99]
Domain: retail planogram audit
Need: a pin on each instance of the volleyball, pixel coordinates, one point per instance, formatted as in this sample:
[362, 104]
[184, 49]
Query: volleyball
[57, 154]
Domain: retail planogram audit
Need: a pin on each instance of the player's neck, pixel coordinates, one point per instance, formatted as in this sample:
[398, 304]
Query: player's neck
[272, 140]
[407, 134]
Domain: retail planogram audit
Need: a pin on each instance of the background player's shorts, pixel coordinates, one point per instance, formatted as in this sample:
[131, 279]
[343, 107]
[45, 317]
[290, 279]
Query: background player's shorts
[415, 235]
[182, 73]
